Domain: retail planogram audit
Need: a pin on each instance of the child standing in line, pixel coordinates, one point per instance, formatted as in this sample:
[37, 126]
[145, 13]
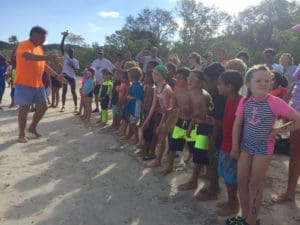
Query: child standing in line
[181, 110]
[162, 100]
[88, 91]
[123, 90]
[229, 85]
[134, 98]
[55, 84]
[198, 129]
[81, 92]
[240, 66]
[279, 85]
[254, 125]
[212, 73]
[171, 74]
[104, 95]
[114, 98]
[148, 84]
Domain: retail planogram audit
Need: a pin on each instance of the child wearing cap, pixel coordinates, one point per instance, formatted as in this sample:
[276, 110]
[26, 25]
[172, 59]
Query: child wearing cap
[157, 114]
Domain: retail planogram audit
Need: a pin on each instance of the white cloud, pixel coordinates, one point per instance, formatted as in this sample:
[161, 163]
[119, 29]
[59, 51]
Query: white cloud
[112, 14]
[93, 27]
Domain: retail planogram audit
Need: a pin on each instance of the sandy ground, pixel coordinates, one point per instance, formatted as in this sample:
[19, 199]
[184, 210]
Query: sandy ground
[71, 177]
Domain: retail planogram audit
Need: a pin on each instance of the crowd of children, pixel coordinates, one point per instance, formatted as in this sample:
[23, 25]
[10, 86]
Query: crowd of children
[223, 112]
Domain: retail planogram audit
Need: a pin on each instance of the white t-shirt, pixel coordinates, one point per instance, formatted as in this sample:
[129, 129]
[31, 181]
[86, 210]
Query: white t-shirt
[70, 65]
[99, 65]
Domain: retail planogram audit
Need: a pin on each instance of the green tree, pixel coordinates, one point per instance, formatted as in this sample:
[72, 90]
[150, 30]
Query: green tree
[13, 39]
[75, 39]
[200, 24]
[157, 21]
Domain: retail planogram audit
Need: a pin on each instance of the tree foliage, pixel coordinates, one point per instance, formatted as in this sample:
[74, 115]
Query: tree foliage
[13, 39]
[203, 28]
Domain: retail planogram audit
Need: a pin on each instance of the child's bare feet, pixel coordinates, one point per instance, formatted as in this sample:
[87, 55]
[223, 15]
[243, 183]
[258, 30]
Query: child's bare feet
[22, 139]
[34, 131]
[102, 125]
[229, 210]
[152, 164]
[222, 204]
[282, 198]
[207, 194]
[190, 185]
[141, 153]
[124, 138]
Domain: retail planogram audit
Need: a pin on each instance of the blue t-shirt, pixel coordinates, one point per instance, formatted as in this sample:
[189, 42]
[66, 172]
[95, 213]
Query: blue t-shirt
[134, 105]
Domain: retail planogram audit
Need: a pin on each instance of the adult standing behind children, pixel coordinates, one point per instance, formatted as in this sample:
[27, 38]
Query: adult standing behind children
[70, 65]
[29, 89]
[268, 57]
[145, 59]
[99, 64]
[294, 163]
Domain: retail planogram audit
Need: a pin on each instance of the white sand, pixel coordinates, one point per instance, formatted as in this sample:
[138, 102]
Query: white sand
[70, 177]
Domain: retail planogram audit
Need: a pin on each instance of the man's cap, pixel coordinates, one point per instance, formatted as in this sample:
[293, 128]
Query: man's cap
[100, 51]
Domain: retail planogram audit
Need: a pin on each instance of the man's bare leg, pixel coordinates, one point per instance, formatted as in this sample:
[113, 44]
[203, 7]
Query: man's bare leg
[41, 108]
[294, 170]
[22, 119]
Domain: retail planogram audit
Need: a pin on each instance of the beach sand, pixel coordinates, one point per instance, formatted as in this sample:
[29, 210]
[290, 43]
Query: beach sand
[71, 177]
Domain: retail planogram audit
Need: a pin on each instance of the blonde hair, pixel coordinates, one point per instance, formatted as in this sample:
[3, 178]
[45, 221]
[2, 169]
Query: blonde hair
[250, 73]
[135, 73]
[130, 64]
[236, 64]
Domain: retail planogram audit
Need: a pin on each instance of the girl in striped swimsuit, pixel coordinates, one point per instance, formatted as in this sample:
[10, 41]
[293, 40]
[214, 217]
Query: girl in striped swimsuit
[253, 139]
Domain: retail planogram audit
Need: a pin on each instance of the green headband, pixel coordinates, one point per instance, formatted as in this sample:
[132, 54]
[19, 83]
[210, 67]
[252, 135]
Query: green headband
[162, 70]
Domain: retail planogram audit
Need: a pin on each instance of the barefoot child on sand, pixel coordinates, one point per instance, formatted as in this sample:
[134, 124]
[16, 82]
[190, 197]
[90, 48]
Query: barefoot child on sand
[253, 139]
[229, 85]
[81, 92]
[114, 99]
[134, 98]
[160, 103]
[182, 110]
[212, 73]
[104, 95]
[198, 130]
[88, 92]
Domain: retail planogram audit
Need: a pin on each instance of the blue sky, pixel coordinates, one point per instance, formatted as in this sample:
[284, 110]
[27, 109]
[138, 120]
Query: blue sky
[93, 19]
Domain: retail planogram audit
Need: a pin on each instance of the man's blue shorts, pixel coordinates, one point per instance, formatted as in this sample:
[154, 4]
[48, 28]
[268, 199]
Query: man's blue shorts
[25, 96]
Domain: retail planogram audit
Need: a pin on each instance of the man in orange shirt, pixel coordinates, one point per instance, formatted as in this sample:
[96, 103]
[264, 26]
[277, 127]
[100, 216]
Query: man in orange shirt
[29, 89]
